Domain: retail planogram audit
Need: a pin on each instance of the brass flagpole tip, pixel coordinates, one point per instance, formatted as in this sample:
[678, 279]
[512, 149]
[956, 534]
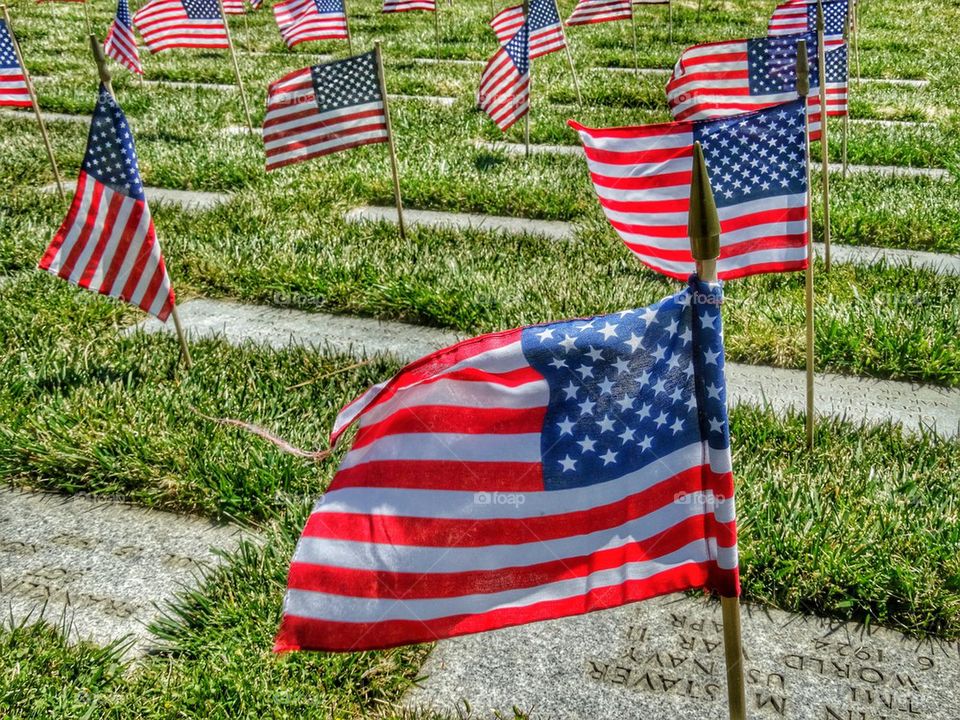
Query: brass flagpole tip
[703, 223]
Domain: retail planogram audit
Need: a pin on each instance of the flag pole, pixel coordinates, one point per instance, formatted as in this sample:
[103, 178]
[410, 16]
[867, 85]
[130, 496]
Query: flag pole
[803, 90]
[846, 115]
[393, 150]
[236, 66]
[35, 103]
[436, 26]
[573, 69]
[107, 81]
[703, 227]
[856, 36]
[670, 10]
[633, 26]
[526, 115]
[824, 141]
[86, 16]
[346, 21]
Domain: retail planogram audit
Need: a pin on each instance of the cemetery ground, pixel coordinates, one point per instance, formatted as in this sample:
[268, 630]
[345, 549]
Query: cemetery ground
[866, 527]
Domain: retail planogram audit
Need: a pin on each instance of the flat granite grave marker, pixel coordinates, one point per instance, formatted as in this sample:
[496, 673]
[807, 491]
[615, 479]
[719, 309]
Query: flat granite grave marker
[102, 567]
[663, 658]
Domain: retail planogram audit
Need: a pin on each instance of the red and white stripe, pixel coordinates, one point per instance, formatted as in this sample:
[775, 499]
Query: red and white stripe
[504, 93]
[295, 130]
[642, 177]
[300, 21]
[543, 41]
[121, 45]
[107, 244]
[233, 7]
[506, 23]
[597, 11]
[712, 81]
[403, 549]
[164, 24]
[408, 5]
[13, 88]
[790, 18]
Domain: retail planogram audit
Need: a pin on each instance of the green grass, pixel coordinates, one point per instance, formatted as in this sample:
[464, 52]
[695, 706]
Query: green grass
[865, 528]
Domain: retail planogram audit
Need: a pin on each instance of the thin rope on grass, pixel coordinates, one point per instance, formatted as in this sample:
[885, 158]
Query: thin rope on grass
[279, 442]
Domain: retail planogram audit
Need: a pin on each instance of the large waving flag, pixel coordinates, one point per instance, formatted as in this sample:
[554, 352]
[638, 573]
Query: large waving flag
[121, 43]
[13, 83]
[324, 109]
[794, 17]
[166, 24]
[546, 31]
[588, 12]
[758, 173]
[504, 92]
[525, 475]
[305, 20]
[107, 242]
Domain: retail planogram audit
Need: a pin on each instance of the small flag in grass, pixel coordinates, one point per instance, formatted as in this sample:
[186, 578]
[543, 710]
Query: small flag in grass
[504, 92]
[107, 242]
[324, 109]
[306, 20]
[121, 43]
[13, 83]
[526, 475]
[166, 24]
[800, 16]
[234, 7]
[390, 6]
[758, 172]
[588, 12]
[546, 32]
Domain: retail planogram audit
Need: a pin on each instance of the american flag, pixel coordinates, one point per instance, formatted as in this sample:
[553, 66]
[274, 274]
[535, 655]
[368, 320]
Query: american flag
[234, 7]
[13, 83]
[254, 4]
[107, 242]
[166, 24]
[504, 92]
[598, 11]
[526, 475]
[800, 16]
[836, 80]
[304, 20]
[758, 171]
[121, 43]
[546, 32]
[727, 78]
[323, 109]
[407, 5]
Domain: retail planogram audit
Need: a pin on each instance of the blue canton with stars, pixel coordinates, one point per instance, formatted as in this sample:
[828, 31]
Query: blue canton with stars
[123, 13]
[629, 388]
[836, 65]
[543, 13]
[8, 58]
[202, 9]
[340, 84]
[518, 48]
[834, 17]
[329, 7]
[772, 63]
[755, 156]
[111, 158]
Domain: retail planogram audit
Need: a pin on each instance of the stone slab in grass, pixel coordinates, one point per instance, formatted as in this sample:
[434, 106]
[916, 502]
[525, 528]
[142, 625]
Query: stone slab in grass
[635, 71]
[893, 123]
[186, 199]
[47, 116]
[857, 399]
[279, 328]
[887, 170]
[663, 659]
[465, 221]
[940, 263]
[192, 85]
[435, 61]
[903, 82]
[99, 569]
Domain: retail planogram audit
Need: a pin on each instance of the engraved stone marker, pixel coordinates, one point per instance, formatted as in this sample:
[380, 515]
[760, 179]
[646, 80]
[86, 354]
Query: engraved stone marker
[101, 566]
[663, 658]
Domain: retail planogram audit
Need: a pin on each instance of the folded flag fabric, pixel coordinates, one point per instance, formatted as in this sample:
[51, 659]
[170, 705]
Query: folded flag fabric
[107, 242]
[800, 16]
[531, 474]
[306, 20]
[408, 5]
[504, 92]
[546, 31]
[121, 43]
[166, 24]
[588, 12]
[324, 109]
[726, 78]
[758, 173]
[13, 82]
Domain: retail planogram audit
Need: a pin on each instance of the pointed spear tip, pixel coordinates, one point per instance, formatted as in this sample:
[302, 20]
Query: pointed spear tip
[703, 223]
